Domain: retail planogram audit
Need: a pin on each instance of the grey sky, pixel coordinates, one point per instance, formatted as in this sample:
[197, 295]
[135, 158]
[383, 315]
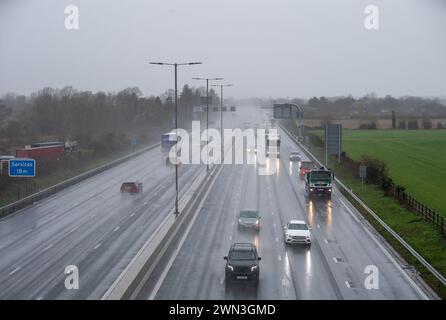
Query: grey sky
[280, 48]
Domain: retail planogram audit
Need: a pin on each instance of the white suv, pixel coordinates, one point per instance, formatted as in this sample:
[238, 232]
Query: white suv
[297, 231]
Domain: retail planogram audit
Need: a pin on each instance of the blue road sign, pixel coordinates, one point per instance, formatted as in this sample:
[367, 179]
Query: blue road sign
[22, 168]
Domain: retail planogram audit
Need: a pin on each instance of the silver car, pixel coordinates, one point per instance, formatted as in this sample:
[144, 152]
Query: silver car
[249, 218]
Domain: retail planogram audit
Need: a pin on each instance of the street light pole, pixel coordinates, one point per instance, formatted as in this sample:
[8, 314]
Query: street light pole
[221, 113]
[207, 113]
[176, 123]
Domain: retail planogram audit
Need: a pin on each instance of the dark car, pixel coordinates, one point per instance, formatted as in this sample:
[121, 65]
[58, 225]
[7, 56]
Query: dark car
[131, 187]
[242, 263]
[249, 218]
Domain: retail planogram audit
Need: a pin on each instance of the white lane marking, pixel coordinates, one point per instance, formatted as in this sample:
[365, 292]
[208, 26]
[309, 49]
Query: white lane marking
[116, 229]
[48, 247]
[385, 251]
[284, 282]
[183, 239]
[279, 257]
[14, 271]
[96, 246]
[230, 238]
[132, 214]
[72, 230]
[326, 241]
[222, 280]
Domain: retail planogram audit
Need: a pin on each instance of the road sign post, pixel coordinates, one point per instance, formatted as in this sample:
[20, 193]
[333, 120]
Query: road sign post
[333, 140]
[362, 173]
[285, 111]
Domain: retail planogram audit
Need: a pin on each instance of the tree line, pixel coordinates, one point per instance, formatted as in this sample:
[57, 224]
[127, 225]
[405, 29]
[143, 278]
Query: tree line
[97, 120]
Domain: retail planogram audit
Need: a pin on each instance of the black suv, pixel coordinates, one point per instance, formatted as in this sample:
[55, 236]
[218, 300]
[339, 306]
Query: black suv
[242, 263]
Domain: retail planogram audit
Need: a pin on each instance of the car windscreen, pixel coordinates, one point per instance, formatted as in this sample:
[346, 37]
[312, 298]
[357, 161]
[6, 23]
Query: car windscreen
[242, 255]
[248, 214]
[297, 226]
[324, 176]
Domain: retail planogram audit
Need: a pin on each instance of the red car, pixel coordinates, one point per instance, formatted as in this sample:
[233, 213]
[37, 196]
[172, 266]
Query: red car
[131, 187]
[305, 167]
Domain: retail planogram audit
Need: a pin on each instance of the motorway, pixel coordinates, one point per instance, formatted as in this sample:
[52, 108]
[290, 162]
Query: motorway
[90, 225]
[93, 226]
[332, 268]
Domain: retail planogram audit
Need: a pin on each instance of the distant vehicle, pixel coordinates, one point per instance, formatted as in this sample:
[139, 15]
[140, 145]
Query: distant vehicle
[319, 181]
[249, 218]
[44, 152]
[242, 263]
[4, 164]
[131, 187]
[305, 167]
[297, 231]
[233, 109]
[272, 145]
[168, 140]
[295, 156]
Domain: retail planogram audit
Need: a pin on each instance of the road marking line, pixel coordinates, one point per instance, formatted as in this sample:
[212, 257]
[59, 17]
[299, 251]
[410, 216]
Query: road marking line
[222, 280]
[279, 257]
[183, 239]
[116, 229]
[284, 282]
[230, 238]
[48, 247]
[96, 246]
[72, 230]
[384, 250]
[326, 241]
[132, 214]
[14, 271]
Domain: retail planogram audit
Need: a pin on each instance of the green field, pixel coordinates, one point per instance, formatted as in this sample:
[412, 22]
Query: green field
[416, 159]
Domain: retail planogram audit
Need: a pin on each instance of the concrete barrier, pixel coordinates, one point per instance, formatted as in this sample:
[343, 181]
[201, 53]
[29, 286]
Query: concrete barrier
[132, 279]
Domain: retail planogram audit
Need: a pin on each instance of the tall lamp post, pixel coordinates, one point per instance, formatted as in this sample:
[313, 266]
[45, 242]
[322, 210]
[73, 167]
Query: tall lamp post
[207, 111]
[176, 122]
[221, 111]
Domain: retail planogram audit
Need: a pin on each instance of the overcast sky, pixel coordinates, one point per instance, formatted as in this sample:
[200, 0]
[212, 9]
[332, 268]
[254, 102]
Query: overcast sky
[266, 48]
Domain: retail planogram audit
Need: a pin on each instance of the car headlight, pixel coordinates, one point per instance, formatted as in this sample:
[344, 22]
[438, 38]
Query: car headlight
[257, 222]
[229, 267]
[253, 268]
[311, 189]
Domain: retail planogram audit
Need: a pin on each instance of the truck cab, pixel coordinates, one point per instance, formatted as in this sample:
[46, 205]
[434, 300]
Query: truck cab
[319, 182]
